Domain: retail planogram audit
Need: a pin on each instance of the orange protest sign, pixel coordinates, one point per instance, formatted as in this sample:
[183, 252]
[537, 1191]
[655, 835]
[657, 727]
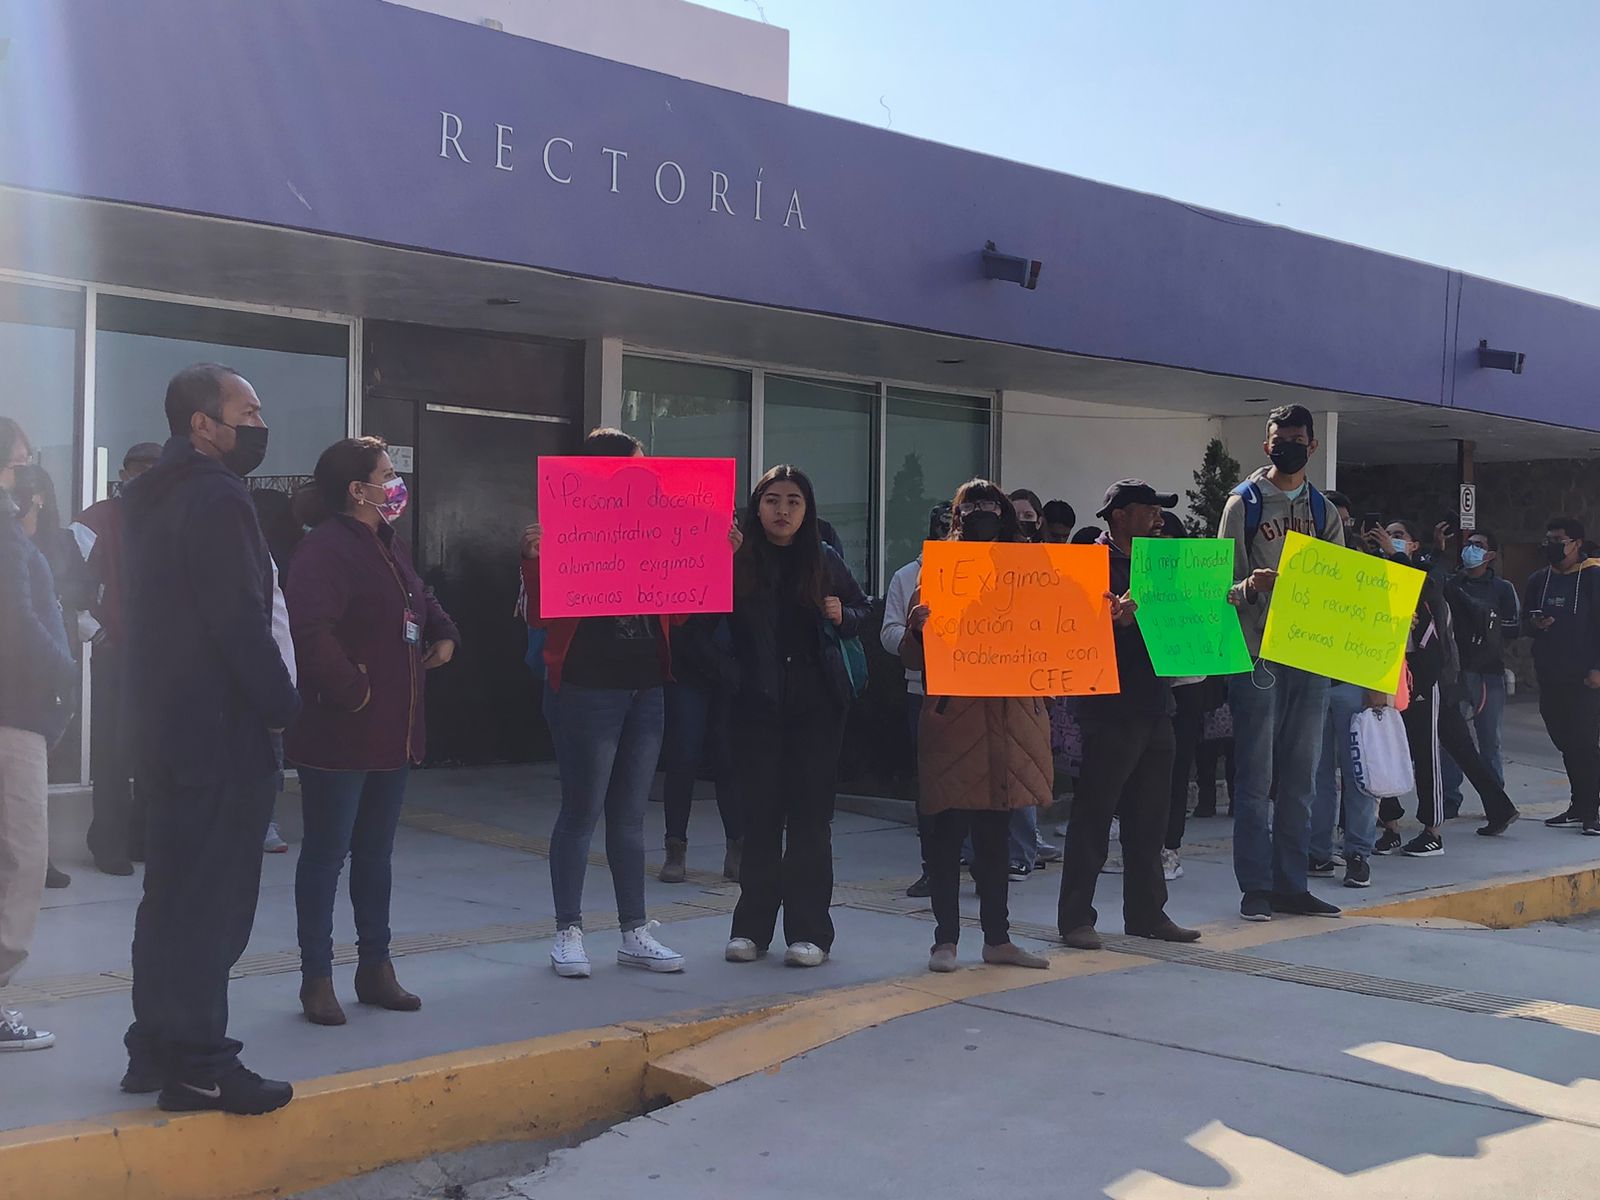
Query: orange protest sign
[1009, 619]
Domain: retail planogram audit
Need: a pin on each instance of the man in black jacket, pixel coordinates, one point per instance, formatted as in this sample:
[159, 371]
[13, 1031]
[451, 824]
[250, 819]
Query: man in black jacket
[1561, 613]
[206, 688]
[1128, 748]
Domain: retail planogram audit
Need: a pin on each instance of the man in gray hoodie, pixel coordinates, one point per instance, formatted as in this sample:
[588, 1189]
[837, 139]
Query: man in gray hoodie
[1278, 712]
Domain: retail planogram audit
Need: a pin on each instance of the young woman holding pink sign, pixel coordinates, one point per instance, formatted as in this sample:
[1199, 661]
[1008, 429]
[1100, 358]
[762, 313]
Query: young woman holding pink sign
[794, 601]
[604, 703]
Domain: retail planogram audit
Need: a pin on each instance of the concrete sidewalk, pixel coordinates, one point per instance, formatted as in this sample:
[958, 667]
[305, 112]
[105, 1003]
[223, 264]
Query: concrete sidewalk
[473, 918]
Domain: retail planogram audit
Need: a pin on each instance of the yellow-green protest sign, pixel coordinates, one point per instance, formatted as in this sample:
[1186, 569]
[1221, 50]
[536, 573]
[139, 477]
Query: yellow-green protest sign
[1181, 588]
[1341, 613]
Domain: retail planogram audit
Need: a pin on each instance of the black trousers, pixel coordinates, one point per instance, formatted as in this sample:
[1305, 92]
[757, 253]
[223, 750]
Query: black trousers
[201, 879]
[1206, 755]
[1127, 763]
[1571, 715]
[1187, 725]
[788, 763]
[991, 839]
[1430, 724]
[117, 827]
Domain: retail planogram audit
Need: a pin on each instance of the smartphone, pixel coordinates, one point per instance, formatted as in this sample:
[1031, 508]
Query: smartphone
[1371, 521]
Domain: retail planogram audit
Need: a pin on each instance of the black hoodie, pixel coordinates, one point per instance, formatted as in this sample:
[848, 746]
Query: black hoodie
[1569, 649]
[206, 682]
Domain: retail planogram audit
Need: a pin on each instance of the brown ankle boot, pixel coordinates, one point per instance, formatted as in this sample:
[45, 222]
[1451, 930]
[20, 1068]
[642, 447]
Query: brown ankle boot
[376, 984]
[320, 1004]
[676, 868]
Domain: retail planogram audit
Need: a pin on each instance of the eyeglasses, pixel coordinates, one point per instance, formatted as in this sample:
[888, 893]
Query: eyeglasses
[973, 506]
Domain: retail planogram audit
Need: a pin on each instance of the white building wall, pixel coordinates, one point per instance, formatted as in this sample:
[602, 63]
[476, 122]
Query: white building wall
[1070, 450]
[671, 36]
[1244, 435]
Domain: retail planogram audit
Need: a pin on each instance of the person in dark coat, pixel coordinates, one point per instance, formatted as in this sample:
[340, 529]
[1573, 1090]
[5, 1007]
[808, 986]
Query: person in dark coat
[206, 690]
[793, 602]
[116, 834]
[366, 632]
[37, 673]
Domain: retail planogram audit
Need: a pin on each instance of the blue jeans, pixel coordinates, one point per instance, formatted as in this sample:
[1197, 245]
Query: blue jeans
[1278, 718]
[608, 741]
[1486, 723]
[347, 814]
[1360, 809]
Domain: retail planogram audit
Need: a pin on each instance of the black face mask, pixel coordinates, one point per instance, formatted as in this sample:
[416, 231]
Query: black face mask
[249, 448]
[1290, 457]
[980, 527]
[1556, 552]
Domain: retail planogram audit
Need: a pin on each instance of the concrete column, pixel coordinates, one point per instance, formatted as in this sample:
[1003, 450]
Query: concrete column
[1324, 470]
[602, 384]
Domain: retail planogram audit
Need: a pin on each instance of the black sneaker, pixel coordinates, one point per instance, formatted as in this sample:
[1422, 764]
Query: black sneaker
[1496, 828]
[1388, 842]
[1424, 845]
[1322, 868]
[239, 1091]
[921, 889]
[1304, 905]
[1567, 820]
[1256, 906]
[1020, 871]
[16, 1034]
[1591, 827]
[141, 1080]
[1357, 874]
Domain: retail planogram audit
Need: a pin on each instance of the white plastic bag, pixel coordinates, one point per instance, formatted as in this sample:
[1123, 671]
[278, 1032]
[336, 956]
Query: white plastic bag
[1380, 754]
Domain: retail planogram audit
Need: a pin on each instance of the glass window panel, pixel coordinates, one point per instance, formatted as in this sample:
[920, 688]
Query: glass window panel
[298, 368]
[39, 349]
[934, 444]
[824, 427]
[689, 410]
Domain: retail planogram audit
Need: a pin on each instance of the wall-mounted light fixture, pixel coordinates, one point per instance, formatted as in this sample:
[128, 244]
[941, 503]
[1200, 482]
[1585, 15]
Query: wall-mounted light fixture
[1500, 360]
[1010, 268]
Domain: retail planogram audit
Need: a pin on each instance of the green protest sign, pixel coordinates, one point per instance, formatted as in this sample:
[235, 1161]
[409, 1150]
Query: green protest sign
[1340, 613]
[1181, 588]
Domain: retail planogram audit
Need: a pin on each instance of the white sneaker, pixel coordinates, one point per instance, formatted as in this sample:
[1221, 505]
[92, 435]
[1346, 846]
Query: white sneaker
[15, 1034]
[1061, 829]
[741, 950]
[1171, 865]
[567, 957]
[274, 843]
[805, 954]
[640, 949]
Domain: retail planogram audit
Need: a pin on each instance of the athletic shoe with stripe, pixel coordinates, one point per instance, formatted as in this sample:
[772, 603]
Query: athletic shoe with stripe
[1424, 845]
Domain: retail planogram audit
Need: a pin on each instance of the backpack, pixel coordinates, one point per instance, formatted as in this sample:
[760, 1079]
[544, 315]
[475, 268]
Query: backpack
[1251, 495]
[1477, 630]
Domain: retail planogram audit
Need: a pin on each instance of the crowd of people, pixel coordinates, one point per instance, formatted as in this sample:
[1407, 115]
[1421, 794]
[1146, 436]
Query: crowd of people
[231, 639]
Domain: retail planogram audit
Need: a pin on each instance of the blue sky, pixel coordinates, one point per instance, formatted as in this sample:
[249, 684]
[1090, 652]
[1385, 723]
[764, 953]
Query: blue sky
[1458, 132]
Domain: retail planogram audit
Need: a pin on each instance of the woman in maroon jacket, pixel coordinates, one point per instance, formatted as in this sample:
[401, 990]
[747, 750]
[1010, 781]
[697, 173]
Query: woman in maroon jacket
[365, 632]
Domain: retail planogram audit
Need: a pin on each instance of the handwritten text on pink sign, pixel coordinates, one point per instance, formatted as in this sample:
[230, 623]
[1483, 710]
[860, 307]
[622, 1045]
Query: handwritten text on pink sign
[624, 536]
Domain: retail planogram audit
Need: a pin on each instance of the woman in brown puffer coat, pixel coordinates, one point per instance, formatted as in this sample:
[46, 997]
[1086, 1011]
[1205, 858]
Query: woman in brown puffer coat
[978, 759]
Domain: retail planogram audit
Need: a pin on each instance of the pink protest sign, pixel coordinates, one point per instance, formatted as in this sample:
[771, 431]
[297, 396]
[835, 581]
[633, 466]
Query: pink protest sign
[630, 536]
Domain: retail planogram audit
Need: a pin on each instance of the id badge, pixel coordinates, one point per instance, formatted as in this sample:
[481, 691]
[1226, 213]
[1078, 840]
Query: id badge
[413, 629]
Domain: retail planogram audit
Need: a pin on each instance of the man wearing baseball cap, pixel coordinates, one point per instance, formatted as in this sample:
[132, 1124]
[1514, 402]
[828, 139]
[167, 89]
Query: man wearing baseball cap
[1128, 750]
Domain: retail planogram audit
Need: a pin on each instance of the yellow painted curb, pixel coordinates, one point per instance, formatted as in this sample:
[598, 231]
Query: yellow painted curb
[814, 1021]
[1507, 903]
[345, 1125]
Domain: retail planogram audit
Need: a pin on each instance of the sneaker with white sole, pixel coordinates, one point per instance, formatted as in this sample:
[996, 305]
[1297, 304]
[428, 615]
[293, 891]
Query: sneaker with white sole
[742, 950]
[567, 957]
[16, 1034]
[274, 843]
[1171, 865]
[1424, 845]
[640, 949]
[805, 954]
